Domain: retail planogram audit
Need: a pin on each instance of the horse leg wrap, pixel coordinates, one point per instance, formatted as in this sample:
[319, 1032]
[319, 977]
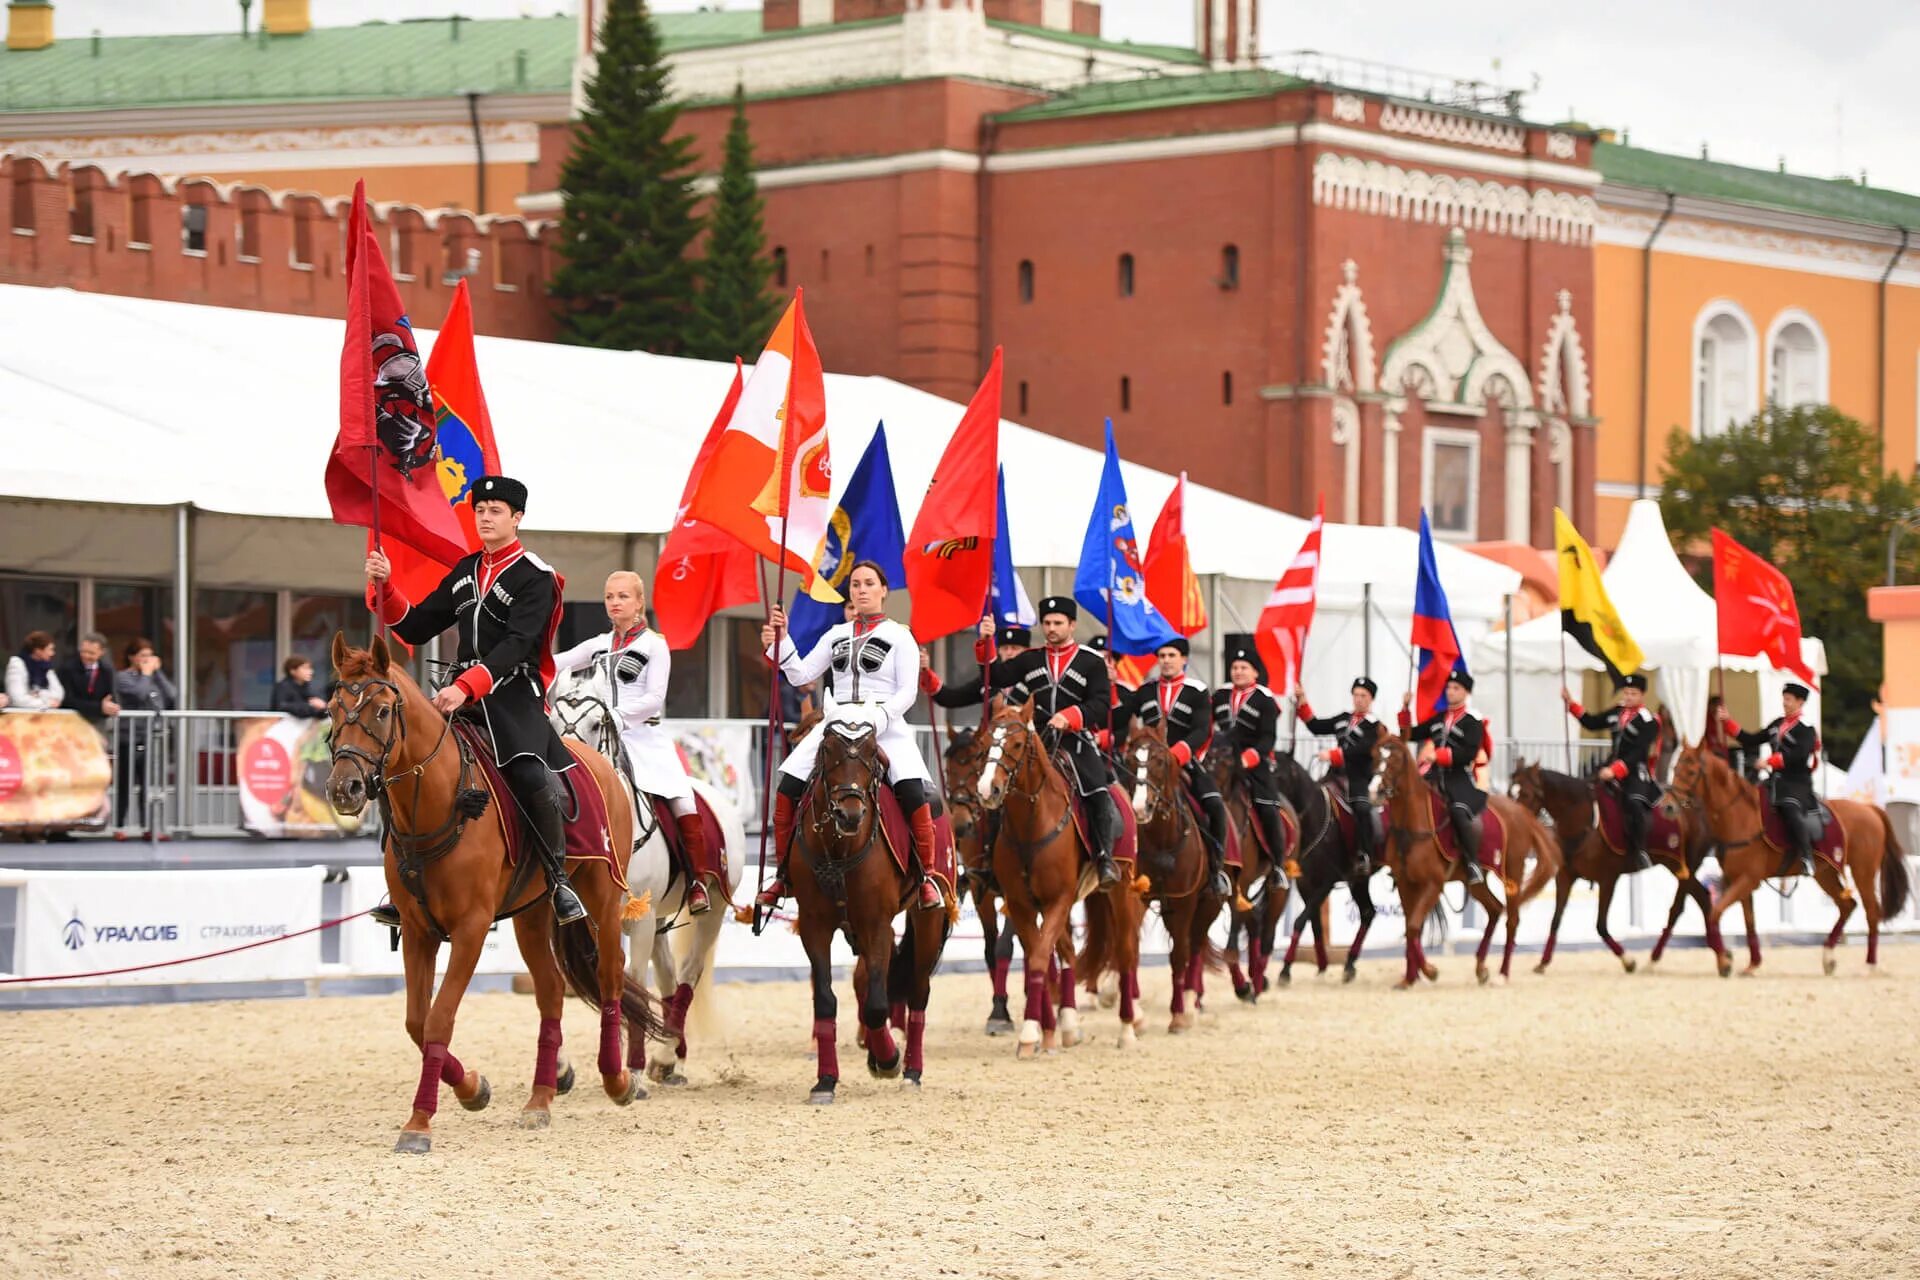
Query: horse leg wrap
[1197, 976]
[610, 1055]
[1873, 948]
[1293, 948]
[1660, 947]
[1234, 971]
[916, 1039]
[433, 1064]
[1839, 927]
[1126, 998]
[636, 1053]
[1036, 994]
[1546, 953]
[1179, 1004]
[451, 1072]
[1753, 946]
[1068, 1000]
[897, 1015]
[1614, 946]
[1319, 949]
[677, 1005]
[823, 1043]
[880, 1044]
[546, 1062]
[1000, 968]
[1359, 936]
[1049, 1018]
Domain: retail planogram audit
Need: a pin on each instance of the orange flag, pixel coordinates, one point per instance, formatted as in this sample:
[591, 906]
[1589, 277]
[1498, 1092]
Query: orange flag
[1170, 580]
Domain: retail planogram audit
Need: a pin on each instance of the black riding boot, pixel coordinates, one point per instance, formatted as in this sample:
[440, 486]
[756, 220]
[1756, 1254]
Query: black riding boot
[1216, 811]
[1268, 816]
[1362, 834]
[1636, 816]
[1799, 832]
[1105, 820]
[546, 808]
[1467, 830]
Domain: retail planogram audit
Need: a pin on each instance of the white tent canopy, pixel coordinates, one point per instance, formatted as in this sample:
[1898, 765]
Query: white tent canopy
[133, 403]
[1669, 616]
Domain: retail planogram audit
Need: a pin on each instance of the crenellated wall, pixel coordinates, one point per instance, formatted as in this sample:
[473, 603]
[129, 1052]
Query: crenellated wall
[76, 227]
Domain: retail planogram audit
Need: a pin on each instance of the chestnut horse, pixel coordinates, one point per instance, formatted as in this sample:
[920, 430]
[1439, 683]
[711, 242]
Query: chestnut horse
[1325, 860]
[844, 878]
[1420, 869]
[1731, 806]
[449, 877]
[1569, 802]
[1172, 856]
[1037, 859]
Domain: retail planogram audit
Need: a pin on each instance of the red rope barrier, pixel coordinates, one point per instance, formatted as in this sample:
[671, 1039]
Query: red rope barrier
[168, 964]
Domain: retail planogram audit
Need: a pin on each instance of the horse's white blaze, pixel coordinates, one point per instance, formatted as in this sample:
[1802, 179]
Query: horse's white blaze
[985, 785]
[1140, 785]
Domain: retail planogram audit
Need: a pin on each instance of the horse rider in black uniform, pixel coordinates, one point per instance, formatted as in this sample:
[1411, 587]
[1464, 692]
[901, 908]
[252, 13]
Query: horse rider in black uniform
[1636, 732]
[1246, 715]
[1067, 684]
[1011, 639]
[1180, 703]
[504, 602]
[1457, 735]
[1794, 750]
[1354, 734]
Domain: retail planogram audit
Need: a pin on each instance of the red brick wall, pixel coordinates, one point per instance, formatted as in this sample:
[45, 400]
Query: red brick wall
[779, 15]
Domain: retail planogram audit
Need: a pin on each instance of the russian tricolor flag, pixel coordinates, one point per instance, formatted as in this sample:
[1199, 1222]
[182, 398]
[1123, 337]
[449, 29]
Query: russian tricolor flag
[1434, 638]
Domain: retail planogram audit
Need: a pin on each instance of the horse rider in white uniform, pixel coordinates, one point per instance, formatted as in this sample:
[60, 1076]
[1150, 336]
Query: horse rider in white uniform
[637, 664]
[872, 667]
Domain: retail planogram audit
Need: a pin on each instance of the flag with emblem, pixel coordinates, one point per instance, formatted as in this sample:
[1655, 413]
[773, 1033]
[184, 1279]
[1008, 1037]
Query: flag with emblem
[865, 525]
[1172, 584]
[768, 481]
[949, 556]
[1586, 612]
[1757, 613]
[388, 437]
[1111, 581]
[1281, 635]
[702, 569]
[1435, 643]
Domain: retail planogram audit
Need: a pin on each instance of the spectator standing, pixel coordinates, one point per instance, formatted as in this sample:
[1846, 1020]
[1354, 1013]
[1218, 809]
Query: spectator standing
[88, 681]
[294, 695]
[31, 682]
[140, 685]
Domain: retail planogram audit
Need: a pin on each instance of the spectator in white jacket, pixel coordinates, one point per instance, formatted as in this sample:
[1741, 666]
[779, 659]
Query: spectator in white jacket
[31, 683]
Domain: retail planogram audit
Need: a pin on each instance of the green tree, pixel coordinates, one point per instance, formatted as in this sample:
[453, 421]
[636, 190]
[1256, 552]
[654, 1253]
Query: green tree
[736, 310]
[627, 281]
[1805, 488]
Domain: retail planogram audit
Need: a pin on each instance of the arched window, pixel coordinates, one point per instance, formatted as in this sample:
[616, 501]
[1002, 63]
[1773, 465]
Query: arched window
[1026, 280]
[1230, 266]
[1796, 361]
[1723, 371]
[1126, 275]
[780, 266]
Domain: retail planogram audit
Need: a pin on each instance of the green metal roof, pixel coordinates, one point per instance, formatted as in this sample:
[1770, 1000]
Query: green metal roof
[425, 59]
[1107, 96]
[1712, 179]
[1164, 52]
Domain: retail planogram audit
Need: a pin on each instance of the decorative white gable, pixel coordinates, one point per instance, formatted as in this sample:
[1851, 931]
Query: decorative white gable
[1346, 356]
[1565, 387]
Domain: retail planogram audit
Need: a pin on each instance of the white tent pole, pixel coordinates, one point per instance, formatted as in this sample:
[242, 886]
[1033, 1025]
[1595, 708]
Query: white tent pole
[1506, 604]
[1366, 630]
[183, 604]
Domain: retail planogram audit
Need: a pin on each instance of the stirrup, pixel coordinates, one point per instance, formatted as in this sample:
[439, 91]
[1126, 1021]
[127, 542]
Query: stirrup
[931, 895]
[770, 896]
[1471, 872]
[387, 914]
[1106, 870]
[698, 902]
[567, 907]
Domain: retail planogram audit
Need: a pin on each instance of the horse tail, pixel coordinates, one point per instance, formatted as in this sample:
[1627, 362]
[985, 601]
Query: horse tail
[580, 960]
[1097, 949]
[1894, 880]
[1547, 856]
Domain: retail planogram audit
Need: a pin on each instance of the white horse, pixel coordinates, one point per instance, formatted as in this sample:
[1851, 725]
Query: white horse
[581, 709]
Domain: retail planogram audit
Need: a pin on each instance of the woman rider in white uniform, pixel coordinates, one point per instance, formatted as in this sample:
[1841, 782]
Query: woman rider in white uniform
[638, 664]
[872, 667]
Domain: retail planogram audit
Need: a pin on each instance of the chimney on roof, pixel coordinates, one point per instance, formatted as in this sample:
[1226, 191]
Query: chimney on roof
[1227, 32]
[285, 17]
[29, 24]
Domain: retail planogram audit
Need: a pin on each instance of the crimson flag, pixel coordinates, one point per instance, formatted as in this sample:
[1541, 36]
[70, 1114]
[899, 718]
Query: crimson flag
[387, 430]
[1758, 616]
[703, 569]
[949, 555]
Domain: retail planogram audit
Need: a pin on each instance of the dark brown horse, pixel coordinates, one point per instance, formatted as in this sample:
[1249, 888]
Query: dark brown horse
[1042, 868]
[1173, 859]
[1420, 868]
[845, 878]
[445, 853]
[1260, 887]
[1325, 860]
[1704, 782]
[1569, 802]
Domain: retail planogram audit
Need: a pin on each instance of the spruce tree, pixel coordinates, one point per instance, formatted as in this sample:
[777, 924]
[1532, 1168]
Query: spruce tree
[626, 281]
[735, 310]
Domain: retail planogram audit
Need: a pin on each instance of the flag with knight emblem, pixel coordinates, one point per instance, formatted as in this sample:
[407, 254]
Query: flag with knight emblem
[949, 556]
[1111, 581]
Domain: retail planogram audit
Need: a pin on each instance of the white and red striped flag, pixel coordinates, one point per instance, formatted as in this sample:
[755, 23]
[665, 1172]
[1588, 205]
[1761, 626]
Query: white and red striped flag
[1281, 635]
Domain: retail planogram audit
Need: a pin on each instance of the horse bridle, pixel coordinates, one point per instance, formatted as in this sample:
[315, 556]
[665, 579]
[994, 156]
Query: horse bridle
[1405, 835]
[997, 748]
[831, 873]
[412, 849]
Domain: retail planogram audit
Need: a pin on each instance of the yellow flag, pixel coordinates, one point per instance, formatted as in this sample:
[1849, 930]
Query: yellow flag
[1586, 613]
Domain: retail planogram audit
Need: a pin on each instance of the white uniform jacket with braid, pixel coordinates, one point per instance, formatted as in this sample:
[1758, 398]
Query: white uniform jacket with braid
[872, 672]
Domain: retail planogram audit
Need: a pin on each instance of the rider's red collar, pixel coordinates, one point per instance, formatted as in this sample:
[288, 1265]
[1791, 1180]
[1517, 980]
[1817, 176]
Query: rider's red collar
[501, 558]
[621, 639]
[863, 626]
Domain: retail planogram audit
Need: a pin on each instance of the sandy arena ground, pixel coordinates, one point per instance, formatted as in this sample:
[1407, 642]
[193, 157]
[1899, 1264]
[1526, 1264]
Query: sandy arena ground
[1590, 1124]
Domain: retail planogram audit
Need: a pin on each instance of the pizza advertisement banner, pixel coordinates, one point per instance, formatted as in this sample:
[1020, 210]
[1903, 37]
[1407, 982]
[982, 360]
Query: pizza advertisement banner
[54, 771]
[281, 765]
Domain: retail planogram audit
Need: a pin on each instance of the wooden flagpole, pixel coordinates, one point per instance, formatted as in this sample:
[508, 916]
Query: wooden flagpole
[373, 484]
[761, 915]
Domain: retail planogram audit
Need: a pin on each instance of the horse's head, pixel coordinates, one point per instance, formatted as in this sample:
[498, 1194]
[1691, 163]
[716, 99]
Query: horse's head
[1399, 771]
[1012, 746]
[1151, 767]
[1527, 786]
[1695, 780]
[966, 754]
[369, 728]
[851, 770]
[579, 705]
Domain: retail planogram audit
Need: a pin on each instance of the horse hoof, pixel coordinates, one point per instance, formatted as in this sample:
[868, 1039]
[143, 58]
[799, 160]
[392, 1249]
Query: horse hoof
[564, 1084]
[1725, 965]
[1070, 1028]
[1827, 962]
[1176, 1026]
[1027, 1050]
[860, 1036]
[1541, 967]
[1108, 999]
[635, 1091]
[1750, 971]
[1430, 972]
[533, 1120]
[1349, 974]
[1482, 974]
[1000, 1026]
[884, 1070]
[1286, 978]
[1628, 963]
[910, 1082]
[413, 1144]
[1129, 1039]
[822, 1094]
[1405, 984]
[479, 1100]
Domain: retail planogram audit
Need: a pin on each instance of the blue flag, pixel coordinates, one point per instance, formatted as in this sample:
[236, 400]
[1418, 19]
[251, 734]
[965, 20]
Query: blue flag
[865, 526]
[1110, 567]
[1434, 639]
[1011, 607]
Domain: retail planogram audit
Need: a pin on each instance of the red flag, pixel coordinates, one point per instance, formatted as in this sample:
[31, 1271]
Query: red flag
[1171, 584]
[1758, 616]
[702, 569]
[949, 554]
[386, 412]
[1281, 634]
[467, 447]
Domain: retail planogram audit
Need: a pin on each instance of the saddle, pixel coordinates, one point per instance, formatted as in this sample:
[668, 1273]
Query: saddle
[897, 835]
[716, 861]
[1831, 844]
[1125, 849]
[589, 837]
[1344, 819]
[1493, 832]
[1232, 851]
[1610, 809]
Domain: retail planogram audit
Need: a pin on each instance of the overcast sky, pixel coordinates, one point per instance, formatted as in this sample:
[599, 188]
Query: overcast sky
[1826, 85]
